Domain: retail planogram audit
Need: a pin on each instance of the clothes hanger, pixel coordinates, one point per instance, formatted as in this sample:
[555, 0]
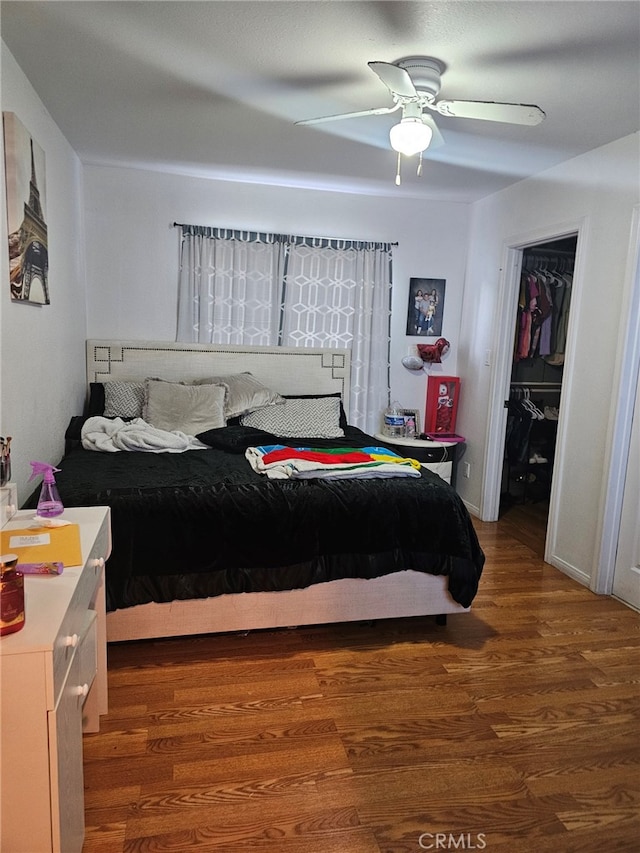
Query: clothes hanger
[525, 402]
[530, 406]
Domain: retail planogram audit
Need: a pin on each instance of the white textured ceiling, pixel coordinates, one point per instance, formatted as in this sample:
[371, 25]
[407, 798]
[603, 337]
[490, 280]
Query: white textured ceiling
[214, 88]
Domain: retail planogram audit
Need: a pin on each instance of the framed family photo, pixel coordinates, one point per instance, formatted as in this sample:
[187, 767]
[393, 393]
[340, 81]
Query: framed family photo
[411, 418]
[426, 306]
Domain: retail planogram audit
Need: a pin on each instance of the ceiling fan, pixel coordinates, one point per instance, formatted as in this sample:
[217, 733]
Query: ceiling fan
[414, 84]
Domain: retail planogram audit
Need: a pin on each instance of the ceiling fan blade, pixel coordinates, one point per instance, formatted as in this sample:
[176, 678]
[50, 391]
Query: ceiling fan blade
[380, 111]
[491, 111]
[396, 79]
[436, 139]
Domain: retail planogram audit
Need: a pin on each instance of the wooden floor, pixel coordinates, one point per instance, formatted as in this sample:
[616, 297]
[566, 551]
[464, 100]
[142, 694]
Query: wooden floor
[516, 727]
[527, 523]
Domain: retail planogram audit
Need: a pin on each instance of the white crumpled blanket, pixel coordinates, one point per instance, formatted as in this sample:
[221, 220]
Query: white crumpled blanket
[110, 435]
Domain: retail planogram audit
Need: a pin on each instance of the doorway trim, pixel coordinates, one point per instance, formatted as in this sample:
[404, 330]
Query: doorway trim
[629, 359]
[506, 316]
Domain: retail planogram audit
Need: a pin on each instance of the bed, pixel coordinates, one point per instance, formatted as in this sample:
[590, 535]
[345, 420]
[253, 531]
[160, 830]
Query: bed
[204, 542]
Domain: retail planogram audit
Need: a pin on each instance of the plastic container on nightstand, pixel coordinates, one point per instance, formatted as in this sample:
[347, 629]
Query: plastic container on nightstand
[393, 422]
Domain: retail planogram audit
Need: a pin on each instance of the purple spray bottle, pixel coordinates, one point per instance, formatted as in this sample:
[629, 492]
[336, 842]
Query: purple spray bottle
[49, 503]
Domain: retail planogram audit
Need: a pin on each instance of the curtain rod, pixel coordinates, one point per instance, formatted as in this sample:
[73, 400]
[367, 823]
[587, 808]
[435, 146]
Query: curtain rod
[349, 239]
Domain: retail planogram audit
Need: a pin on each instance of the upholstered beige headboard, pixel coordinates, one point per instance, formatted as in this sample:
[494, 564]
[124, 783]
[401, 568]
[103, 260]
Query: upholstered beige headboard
[287, 370]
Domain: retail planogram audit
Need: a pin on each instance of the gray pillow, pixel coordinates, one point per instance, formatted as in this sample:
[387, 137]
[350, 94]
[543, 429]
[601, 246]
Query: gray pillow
[188, 408]
[299, 418]
[244, 393]
[123, 399]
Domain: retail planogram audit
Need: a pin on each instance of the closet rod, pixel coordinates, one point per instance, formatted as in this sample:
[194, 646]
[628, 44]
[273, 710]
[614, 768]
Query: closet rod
[549, 386]
[540, 251]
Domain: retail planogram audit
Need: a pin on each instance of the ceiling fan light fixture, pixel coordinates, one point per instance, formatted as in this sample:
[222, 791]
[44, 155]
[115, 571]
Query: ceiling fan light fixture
[410, 136]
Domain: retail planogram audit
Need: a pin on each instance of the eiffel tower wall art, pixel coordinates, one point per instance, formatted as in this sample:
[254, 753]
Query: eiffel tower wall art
[26, 214]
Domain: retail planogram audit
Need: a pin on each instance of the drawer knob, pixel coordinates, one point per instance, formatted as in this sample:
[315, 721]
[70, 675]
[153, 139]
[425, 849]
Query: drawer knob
[98, 562]
[71, 640]
[81, 690]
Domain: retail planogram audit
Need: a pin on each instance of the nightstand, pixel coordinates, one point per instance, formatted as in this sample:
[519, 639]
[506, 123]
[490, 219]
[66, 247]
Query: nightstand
[54, 685]
[438, 456]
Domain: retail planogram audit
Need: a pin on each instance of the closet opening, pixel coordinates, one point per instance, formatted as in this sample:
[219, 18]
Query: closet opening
[535, 389]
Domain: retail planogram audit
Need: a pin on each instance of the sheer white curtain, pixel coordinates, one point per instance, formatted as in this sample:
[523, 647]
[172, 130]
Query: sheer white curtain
[337, 294]
[249, 288]
[230, 287]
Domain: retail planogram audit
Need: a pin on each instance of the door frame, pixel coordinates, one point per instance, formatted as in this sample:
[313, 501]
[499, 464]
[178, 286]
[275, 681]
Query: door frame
[628, 357]
[506, 316]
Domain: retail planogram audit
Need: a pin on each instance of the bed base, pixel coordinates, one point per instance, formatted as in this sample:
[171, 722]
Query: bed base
[400, 594]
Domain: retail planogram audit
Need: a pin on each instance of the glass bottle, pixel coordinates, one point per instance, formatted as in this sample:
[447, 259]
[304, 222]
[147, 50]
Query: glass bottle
[12, 616]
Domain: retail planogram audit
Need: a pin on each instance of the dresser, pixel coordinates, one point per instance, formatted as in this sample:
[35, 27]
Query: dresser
[438, 456]
[54, 687]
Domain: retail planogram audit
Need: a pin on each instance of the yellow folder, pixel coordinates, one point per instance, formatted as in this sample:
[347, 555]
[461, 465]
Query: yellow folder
[44, 544]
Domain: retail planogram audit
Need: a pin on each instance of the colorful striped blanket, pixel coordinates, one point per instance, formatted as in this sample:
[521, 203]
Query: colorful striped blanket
[280, 462]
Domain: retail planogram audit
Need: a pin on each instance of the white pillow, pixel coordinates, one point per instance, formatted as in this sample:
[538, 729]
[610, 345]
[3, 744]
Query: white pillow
[188, 408]
[299, 418]
[123, 399]
[244, 393]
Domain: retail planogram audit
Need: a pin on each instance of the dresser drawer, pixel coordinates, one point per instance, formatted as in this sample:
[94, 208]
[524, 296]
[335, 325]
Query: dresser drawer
[75, 620]
[87, 653]
[66, 768]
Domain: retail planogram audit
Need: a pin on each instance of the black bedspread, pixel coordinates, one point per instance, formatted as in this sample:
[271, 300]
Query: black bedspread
[203, 523]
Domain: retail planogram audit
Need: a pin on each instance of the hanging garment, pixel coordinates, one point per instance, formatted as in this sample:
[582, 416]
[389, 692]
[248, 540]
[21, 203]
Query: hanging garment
[562, 303]
[543, 316]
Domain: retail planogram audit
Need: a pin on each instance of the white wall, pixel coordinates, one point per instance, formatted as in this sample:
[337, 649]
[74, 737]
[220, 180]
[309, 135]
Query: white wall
[132, 250]
[598, 190]
[42, 347]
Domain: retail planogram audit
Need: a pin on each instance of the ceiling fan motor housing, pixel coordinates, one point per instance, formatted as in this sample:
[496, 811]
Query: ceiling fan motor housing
[425, 74]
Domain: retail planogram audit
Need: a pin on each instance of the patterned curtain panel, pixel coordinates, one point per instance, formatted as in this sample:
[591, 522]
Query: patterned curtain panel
[269, 289]
[230, 287]
[337, 294]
